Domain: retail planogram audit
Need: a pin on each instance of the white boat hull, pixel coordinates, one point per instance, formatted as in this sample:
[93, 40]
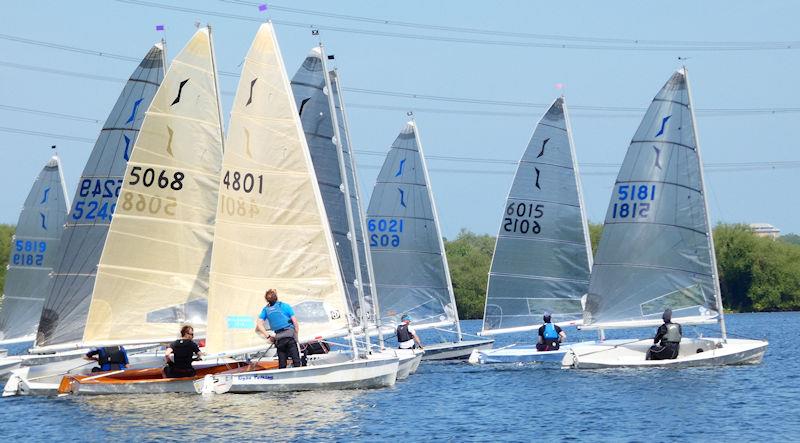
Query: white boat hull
[460, 350]
[9, 363]
[519, 353]
[693, 352]
[354, 374]
[409, 361]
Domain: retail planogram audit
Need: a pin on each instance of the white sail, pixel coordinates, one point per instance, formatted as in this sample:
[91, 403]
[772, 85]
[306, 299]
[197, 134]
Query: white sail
[153, 273]
[34, 250]
[272, 230]
[543, 256]
[656, 250]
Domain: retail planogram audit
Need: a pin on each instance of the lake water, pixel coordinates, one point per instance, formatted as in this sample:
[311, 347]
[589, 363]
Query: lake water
[461, 402]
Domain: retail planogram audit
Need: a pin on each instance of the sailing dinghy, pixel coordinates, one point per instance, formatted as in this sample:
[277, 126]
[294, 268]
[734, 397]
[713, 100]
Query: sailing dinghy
[657, 250]
[407, 250]
[153, 272]
[327, 134]
[84, 235]
[281, 239]
[543, 255]
[34, 249]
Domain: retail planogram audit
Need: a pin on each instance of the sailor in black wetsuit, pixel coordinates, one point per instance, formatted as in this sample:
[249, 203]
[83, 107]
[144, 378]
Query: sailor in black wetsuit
[667, 340]
[180, 354]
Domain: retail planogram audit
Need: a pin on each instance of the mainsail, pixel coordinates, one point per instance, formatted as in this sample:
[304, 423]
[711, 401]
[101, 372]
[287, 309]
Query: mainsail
[34, 250]
[543, 256]
[153, 273]
[656, 250]
[324, 131]
[84, 236]
[272, 231]
[405, 240]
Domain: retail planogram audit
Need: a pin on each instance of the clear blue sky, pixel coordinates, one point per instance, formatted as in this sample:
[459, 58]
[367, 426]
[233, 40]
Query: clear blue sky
[446, 63]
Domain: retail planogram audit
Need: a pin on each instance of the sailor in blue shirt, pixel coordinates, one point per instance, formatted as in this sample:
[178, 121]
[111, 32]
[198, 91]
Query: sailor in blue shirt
[283, 323]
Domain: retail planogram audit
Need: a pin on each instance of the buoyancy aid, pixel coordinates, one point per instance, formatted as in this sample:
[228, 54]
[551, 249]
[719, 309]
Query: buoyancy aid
[111, 358]
[403, 333]
[673, 334]
[550, 332]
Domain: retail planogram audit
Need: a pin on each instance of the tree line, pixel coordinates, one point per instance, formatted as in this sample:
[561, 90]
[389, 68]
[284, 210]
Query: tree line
[755, 273]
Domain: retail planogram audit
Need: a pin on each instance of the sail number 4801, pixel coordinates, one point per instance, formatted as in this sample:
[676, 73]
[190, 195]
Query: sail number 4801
[246, 182]
[522, 217]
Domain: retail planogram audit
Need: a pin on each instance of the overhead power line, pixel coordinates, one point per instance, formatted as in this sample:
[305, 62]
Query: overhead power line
[48, 113]
[481, 41]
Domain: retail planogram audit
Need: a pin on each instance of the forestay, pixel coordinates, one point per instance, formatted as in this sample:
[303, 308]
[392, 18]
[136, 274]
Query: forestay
[543, 256]
[272, 231]
[321, 126]
[34, 250]
[404, 238]
[153, 273]
[655, 251]
[84, 236]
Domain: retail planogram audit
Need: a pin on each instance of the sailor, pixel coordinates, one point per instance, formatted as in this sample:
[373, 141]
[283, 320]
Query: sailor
[407, 337]
[109, 358]
[550, 335]
[283, 323]
[666, 343]
[180, 354]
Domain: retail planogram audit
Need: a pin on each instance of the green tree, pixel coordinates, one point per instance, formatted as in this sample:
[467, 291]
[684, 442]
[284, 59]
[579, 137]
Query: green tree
[469, 257]
[595, 232]
[793, 239]
[6, 232]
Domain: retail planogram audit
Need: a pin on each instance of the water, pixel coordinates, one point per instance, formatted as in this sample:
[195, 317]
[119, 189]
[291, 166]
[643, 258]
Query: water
[460, 402]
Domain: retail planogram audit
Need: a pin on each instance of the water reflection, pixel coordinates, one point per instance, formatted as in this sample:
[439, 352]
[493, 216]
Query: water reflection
[278, 416]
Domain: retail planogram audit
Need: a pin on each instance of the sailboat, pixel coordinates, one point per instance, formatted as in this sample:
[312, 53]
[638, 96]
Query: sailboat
[657, 250]
[323, 118]
[69, 290]
[408, 256]
[34, 248]
[280, 239]
[154, 270]
[543, 255]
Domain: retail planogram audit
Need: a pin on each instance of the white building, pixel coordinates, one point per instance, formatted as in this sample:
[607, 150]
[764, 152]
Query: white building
[765, 230]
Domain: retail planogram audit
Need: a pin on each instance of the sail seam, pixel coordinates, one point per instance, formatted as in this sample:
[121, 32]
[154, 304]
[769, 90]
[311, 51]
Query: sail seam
[632, 265]
[530, 162]
[536, 277]
[667, 142]
[658, 224]
[661, 182]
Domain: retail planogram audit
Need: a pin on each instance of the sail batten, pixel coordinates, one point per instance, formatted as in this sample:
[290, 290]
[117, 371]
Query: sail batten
[274, 235]
[84, 235]
[542, 256]
[34, 251]
[656, 250]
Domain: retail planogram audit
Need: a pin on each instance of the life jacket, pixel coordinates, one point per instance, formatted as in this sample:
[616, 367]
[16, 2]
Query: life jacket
[403, 334]
[673, 334]
[550, 332]
[111, 358]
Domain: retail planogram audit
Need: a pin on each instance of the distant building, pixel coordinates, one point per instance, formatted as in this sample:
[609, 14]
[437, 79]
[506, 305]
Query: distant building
[765, 230]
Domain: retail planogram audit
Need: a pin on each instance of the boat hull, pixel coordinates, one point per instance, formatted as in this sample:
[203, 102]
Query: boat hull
[354, 374]
[460, 350]
[409, 360]
[519, 353]
[693, 352]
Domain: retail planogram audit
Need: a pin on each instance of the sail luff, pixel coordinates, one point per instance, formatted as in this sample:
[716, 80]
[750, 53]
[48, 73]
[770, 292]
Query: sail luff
[584, 220]
[450, 292]
[362, 214]
[346, 190]
[713, 255]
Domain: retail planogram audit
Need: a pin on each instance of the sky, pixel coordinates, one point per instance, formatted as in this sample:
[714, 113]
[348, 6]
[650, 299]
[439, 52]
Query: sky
[477, 76]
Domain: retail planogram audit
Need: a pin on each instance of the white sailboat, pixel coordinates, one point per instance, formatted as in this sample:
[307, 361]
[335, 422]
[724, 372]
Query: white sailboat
[324, 123]
[34, 249]
[408, 256]
[154, 269]
[543, 254]
[281, 239]
[657, 250]
[69, 289]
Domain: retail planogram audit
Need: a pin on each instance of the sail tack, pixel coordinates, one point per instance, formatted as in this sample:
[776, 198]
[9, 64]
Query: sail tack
[542, 258]
[34, 251]
[405, 241]
[94, 204]
[272, 230]
[655, 251]
[153, 272]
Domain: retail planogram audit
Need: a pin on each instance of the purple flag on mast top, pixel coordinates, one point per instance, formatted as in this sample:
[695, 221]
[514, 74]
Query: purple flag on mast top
[262, 7]
[159, 27]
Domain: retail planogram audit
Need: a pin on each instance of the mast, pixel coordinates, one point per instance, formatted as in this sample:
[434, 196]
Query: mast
[709, 236]
[362, 217]
[438, 228]
[348, 208]
[216, 85]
